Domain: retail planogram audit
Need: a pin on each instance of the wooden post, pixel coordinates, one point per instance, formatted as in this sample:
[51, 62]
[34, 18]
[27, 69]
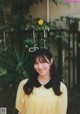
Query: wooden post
[47, 10]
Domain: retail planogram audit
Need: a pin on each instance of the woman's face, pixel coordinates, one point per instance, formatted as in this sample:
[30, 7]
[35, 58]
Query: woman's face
[42, 66]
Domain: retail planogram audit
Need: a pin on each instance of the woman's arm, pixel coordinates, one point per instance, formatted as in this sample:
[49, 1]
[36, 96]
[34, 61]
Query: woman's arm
[20, 98]
[63, 100]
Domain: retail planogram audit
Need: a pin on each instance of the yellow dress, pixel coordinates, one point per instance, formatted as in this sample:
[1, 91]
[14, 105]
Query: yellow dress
[41, 100]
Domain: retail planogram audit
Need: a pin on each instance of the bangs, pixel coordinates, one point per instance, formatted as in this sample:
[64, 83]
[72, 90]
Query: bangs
[42, 54]
[41, 59]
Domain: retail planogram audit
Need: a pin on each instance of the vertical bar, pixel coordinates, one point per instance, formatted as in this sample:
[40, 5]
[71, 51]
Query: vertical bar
[34, 37]
[44, 34]
[78, 59]
[4, 36]
[47, 10]
[38, 38]
[60, 57]
[69, 60]
[48, 36]
[73, 62]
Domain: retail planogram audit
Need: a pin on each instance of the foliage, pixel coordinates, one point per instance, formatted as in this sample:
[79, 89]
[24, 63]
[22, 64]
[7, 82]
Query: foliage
[1, 46]
[13, 18]
[64, 38]
[13, 13]
[16, 62]
[33, 24]
[2, 71]
[59, 2]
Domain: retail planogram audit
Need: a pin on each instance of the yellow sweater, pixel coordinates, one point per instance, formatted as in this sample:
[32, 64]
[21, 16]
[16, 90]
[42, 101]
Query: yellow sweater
[41, 100]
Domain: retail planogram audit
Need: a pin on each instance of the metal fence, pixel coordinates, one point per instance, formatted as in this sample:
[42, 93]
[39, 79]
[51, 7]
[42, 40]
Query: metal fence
[68, 51]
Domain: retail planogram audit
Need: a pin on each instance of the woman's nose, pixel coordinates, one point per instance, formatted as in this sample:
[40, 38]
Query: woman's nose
[40, 65]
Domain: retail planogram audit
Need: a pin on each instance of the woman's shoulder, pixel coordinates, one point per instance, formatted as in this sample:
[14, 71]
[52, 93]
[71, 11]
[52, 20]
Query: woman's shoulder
[23, 82]
[63, 86]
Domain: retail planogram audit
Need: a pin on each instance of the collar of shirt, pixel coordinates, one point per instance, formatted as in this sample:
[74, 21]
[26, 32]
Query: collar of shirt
[47, 86]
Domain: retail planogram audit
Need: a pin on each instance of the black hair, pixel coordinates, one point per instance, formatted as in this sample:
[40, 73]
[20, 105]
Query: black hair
[42, 53]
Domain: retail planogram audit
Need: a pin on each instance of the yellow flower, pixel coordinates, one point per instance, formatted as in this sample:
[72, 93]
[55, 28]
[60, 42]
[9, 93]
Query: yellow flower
[40, 22]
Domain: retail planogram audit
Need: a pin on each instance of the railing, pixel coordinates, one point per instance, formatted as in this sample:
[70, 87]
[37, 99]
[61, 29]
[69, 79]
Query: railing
[68, 50]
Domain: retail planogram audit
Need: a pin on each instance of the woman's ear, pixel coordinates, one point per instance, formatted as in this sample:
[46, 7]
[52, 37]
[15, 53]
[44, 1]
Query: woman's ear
[51, 61]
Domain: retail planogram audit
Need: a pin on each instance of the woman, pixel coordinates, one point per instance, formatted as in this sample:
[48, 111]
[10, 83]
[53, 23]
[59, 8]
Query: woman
[42, 93]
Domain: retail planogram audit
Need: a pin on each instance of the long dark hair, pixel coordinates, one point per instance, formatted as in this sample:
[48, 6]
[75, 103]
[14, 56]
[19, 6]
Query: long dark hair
[42, 53]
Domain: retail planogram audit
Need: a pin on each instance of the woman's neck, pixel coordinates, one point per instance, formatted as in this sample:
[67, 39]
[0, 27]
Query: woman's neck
[44, 80]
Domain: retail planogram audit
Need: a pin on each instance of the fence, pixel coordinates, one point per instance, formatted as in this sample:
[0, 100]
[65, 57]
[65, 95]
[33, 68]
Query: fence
[68, 51]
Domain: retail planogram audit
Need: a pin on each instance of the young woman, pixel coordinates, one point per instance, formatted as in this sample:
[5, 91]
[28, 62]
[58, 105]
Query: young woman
[42, 93]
